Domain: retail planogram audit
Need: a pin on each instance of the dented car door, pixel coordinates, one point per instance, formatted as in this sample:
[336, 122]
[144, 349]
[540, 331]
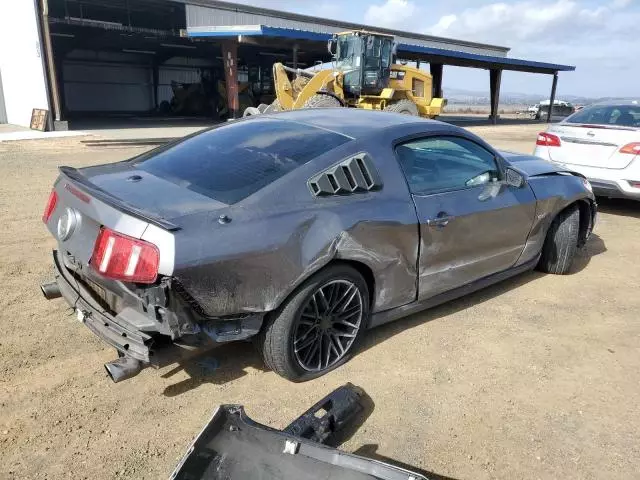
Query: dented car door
[472, 224]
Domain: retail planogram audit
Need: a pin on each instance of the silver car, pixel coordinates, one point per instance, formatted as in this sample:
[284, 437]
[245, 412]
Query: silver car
[300, 230]
[602, 142]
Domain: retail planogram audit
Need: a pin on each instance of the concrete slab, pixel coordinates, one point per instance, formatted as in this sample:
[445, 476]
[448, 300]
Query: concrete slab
[10, 128]
[28, 134]
[141, 128]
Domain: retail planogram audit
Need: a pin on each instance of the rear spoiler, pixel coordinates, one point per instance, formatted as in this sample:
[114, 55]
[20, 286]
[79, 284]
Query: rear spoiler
[77, 178]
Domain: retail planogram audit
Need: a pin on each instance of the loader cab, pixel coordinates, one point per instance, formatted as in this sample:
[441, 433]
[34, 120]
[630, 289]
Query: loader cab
[365, 59]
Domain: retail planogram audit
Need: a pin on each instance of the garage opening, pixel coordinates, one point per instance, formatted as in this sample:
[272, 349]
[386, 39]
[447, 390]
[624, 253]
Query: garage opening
[125, 62]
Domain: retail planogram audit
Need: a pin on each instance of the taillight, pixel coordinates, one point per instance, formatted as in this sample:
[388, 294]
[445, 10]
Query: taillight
[548, 140]
[632, 148]
[50, 207]
[121, 257]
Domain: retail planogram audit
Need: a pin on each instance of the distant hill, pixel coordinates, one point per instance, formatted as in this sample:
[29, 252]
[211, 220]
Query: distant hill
[475, 97]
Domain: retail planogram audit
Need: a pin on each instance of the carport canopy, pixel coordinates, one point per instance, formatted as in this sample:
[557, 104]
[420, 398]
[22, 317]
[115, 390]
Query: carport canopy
[279, 37]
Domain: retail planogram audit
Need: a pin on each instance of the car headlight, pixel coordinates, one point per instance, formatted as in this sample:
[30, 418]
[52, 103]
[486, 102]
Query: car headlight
[587, 184]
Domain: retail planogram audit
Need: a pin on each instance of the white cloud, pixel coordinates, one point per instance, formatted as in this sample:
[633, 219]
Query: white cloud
[519, 21]
[445, 23]
[392, 14]
[621, 3]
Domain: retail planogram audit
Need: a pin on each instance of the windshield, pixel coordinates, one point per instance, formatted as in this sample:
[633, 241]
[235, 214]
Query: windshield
[348, 52]
[231, 162]
[614, 115]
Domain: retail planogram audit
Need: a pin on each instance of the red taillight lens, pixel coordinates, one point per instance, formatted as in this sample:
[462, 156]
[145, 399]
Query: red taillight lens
[50, 207]
[631, 148]
[548, 140]
[125, 258]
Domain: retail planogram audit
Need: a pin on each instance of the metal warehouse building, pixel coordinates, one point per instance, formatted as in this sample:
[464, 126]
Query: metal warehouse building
[97, 59]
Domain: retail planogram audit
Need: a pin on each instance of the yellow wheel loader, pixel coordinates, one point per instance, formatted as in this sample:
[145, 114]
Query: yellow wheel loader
[363, 75]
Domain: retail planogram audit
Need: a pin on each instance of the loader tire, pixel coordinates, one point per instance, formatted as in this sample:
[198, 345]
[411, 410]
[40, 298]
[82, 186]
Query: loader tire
[251, 111]
[273, 107]
[322, 101]
[404, 106]
[561, 243]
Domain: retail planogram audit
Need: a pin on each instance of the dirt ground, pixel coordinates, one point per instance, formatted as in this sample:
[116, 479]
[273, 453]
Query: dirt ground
[535, 378]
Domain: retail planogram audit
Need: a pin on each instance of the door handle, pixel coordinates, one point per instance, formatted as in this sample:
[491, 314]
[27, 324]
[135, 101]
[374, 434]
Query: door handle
[442, 220]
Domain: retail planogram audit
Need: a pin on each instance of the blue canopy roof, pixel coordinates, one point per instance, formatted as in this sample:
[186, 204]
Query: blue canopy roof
[418, 52]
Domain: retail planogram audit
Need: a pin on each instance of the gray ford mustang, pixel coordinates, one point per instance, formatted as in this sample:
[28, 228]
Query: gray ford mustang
[300, 230]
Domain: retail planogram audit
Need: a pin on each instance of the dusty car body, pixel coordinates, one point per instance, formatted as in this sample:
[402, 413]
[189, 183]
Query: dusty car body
[242, 219]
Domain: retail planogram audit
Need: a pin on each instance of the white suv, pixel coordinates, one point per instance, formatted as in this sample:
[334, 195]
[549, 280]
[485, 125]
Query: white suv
[602, 142]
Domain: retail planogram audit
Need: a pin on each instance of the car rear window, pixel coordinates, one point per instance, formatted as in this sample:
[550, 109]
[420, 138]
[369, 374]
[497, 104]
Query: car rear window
[614, 115]
[233, 161]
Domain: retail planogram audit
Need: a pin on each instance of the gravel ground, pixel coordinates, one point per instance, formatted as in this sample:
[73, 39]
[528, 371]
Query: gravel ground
[535, 378]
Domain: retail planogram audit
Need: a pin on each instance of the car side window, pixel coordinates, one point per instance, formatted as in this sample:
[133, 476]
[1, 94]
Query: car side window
[443, 163]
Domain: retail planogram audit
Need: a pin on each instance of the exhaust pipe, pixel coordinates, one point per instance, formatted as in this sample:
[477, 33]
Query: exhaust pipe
[50, 290]
[123, 368]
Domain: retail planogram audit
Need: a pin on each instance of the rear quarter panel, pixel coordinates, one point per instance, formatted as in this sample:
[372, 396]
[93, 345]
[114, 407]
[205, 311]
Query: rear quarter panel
[280, 236]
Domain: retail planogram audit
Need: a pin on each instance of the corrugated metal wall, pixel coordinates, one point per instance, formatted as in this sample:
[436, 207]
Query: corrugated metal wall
[3, 111]
[95, 87]
[198, 16]
[107, 82]
[120, 82]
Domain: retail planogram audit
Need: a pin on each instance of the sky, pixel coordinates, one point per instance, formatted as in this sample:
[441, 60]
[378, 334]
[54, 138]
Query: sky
[600, 37]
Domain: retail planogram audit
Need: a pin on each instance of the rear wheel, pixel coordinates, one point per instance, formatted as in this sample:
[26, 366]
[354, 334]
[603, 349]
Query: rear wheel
[322, 101]
[318, 328]
[404, 106]
[561, 243]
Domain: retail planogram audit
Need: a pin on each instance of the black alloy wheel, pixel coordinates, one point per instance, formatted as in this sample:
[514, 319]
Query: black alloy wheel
[328, 325]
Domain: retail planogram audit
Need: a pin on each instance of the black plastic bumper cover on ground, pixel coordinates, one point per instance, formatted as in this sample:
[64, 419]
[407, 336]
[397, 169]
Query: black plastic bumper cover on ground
[232, 446]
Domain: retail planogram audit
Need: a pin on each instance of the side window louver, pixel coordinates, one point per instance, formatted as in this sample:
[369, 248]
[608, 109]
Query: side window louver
[353, 175]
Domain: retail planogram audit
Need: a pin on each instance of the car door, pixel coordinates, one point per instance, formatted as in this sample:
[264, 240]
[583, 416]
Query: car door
[472, 224]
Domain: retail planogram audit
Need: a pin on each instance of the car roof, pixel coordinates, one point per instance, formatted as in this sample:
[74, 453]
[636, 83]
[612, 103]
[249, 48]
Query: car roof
[619, 101]
[353, 122]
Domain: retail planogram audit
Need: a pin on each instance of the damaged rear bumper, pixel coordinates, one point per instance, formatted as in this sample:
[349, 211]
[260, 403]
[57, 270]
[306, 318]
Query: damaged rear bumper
[233, 446]
[138, 349]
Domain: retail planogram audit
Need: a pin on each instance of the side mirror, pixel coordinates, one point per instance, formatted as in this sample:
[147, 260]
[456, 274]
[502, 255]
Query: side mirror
[331, 45]
[514, 178]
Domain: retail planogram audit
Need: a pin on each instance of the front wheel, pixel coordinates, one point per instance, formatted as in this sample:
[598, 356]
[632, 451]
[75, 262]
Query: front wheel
[403, 106]
[318, 328]
[561, 243]
[320, 100]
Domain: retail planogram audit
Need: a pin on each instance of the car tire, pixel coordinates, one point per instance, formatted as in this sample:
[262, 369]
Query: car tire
[282, 339]
[404, 106]
[561, 243]
[322, 101]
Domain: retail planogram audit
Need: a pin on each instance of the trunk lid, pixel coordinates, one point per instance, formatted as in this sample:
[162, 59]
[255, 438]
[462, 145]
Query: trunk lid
[148, 193]
[107, 195]
[593, 145]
